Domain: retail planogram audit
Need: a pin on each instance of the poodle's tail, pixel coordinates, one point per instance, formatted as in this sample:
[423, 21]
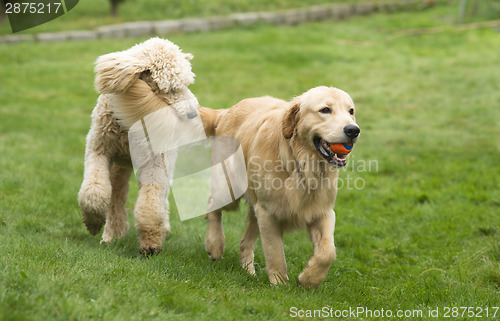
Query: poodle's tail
[210, 119]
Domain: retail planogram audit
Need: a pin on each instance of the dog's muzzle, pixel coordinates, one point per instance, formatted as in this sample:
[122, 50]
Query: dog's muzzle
[187, 108]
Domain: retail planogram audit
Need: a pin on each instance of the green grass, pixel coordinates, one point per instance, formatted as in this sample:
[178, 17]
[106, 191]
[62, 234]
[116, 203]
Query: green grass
[90, 14]
[477, 10]
[423, 232]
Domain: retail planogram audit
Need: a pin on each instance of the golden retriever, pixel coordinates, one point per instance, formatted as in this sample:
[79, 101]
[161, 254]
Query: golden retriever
[292, 175]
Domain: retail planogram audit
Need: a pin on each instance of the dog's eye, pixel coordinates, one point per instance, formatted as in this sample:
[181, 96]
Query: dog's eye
[325, 110]
[351, 111]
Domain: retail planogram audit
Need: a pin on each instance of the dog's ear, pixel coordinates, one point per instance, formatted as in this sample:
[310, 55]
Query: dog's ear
[290, 120]
[116, 72]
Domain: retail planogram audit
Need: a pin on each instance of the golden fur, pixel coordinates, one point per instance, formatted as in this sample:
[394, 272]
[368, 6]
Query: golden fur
[277, 141]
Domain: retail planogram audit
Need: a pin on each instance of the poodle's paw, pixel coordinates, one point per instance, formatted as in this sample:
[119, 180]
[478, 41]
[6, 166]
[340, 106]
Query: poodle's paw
[115, 228]
[151, 242]
[147, 251]
[106, 239]
[94, 200]
[214, 244]
[111, 232]
[94, 225]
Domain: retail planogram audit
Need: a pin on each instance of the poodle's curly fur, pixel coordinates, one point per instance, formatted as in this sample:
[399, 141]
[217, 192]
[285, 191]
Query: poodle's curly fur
[133, 83]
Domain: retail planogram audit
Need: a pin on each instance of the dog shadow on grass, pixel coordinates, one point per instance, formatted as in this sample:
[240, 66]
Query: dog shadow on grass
[184, 256]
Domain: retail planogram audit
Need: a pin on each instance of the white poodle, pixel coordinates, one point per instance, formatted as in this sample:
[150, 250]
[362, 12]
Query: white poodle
[133, 83]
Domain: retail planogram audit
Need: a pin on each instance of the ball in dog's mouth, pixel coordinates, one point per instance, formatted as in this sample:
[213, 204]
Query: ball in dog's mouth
[330, 151]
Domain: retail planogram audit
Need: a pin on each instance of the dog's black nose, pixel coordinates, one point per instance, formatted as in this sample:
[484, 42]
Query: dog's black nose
[351, 131]
[192, 114]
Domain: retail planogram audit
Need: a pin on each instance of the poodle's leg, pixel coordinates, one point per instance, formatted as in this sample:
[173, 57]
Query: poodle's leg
[94, 197]
[116, 221]
[150, 215]
[215, 238]
[247, 244]
[169, 160]
[165, 215]
[151, 209]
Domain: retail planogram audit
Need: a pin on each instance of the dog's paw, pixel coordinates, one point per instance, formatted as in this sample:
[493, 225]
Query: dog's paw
[247, 261]
[94, 200]
[148, 251]
[278, 278]
[94, 218]
[215, 241]
[107, 236]
[249, 267]
[94, 223]
[308, 282]
[115, 228]
[215, 246]
[215, 253]
[151, 241]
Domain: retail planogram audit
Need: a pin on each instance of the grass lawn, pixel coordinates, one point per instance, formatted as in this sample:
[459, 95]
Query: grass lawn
[94, 13]
[420, 232]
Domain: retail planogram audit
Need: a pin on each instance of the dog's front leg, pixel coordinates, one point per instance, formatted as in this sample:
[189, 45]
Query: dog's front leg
[247, 244]
[271, 234]
[116, 220]
[94, 196]
[215, 239]
[151, 209]
[321, 234]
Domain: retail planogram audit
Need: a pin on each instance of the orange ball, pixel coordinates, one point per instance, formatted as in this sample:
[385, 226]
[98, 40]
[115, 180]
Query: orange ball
[343, 149]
